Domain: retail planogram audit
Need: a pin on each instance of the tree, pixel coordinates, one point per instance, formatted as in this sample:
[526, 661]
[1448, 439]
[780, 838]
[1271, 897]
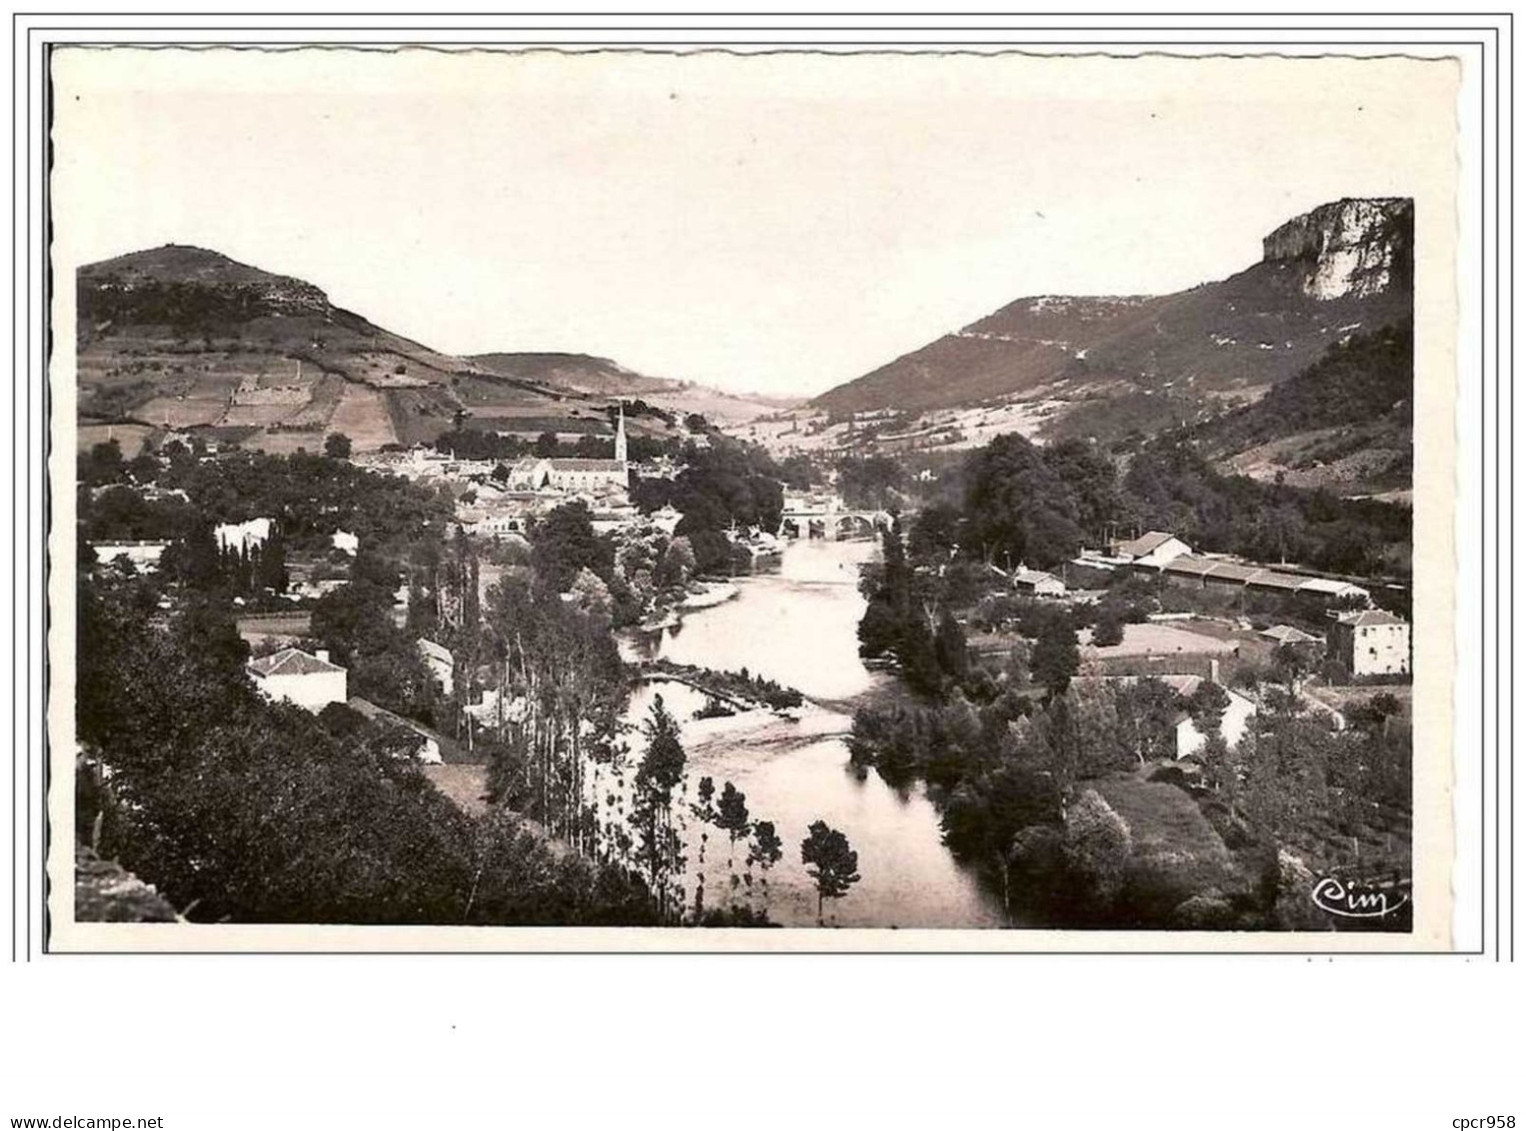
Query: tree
[731, 817]
[951, 650]
[1055, 657]
[563, 543]
[270, 567]
[704, 812]
[102, 465]
[1376, 712]
[1291, 665]
[1018, 507]
[831, 862]
[1206, 705]
[662, 768]
[765, 851]
[336, 446]
[1097, 846]
[1108, 631]
[589, 593]
[984, 815]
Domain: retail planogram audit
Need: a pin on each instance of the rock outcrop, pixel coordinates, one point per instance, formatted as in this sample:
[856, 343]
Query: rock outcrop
[1349, 247]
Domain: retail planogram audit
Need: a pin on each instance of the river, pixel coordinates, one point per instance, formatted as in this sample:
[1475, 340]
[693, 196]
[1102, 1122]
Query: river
[799, 627]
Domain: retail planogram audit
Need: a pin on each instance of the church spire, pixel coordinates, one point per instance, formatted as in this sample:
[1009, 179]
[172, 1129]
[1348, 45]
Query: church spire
[622, 449]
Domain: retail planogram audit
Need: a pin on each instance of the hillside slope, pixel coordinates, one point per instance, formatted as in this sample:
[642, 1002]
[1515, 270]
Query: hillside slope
[1108, 366]
[181, 337]
[1346, 422]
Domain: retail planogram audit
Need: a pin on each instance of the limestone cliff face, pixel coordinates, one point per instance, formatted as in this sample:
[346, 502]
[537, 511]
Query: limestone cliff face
[1349, 247]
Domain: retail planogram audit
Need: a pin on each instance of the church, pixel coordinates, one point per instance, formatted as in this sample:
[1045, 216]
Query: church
[580, 476]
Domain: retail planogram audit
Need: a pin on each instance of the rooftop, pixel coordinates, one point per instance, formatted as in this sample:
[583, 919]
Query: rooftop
[1369, 617]
[1145, 543]
[586, 464]
[435, 651]
[291, 661]
[1287, 634]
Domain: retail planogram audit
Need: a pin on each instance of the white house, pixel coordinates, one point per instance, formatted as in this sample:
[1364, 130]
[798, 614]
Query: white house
[243, 535]
[1154, 549]
[1037, 582]
[141, 555]
[497, 527]
[346, 542]
[299, 677]
[440, 662]
[1371, 642]
[588, 474]
[1232, 727]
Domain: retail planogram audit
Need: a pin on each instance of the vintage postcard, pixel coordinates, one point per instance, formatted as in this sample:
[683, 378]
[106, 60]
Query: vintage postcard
[631, 500]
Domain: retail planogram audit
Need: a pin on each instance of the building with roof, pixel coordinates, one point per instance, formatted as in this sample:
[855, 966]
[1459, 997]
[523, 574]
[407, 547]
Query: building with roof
[440, 662]
[498, 526]
[429, 747]
[1037, 582]
[1232, 724]
[140, 555]
[1154, 549]
[587, 474]
[1371, 642]
[1189, 739]
[244, 536]
[1286, 635]
[306, 679]
[1219, 571]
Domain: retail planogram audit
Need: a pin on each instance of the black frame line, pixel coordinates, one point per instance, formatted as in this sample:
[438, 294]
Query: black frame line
[1490, 77]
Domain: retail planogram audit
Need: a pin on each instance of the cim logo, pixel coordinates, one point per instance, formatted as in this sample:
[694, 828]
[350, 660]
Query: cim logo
[1352, 899]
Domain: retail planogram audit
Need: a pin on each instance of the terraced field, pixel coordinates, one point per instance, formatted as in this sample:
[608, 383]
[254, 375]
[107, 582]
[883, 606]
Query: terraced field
[362, 415]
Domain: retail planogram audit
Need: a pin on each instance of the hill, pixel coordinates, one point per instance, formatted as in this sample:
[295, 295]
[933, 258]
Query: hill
[573, 372]
[1345, 422]
[1116, 365]
[185, 338]
[577, 372]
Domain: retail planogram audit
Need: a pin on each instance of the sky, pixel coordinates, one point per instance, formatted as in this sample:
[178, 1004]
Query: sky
[776, 224]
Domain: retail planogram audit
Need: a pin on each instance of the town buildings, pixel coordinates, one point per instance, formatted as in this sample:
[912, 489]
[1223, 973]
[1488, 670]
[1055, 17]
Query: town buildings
[1173, 559]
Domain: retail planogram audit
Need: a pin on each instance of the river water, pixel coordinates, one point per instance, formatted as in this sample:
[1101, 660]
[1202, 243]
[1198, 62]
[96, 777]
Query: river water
[799, 627]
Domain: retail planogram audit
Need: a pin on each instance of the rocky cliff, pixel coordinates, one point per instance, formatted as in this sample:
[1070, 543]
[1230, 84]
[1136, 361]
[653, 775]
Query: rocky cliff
[1348, 247]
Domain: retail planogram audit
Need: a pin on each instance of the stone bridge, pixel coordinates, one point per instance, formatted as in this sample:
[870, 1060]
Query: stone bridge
[833, 524]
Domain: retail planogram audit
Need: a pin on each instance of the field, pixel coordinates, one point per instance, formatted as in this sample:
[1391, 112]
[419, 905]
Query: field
[362, 415]
[1159, 640]
[129, 436]
[274, 627]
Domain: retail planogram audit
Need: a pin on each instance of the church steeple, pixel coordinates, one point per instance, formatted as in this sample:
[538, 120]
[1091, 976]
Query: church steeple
[622, 448]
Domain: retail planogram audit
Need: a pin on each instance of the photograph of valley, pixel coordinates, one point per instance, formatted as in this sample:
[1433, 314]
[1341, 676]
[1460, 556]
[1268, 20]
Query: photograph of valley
[527, 490]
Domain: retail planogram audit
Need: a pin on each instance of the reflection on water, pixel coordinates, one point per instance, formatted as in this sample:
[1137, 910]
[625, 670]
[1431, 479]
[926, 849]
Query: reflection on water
[799, 627]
